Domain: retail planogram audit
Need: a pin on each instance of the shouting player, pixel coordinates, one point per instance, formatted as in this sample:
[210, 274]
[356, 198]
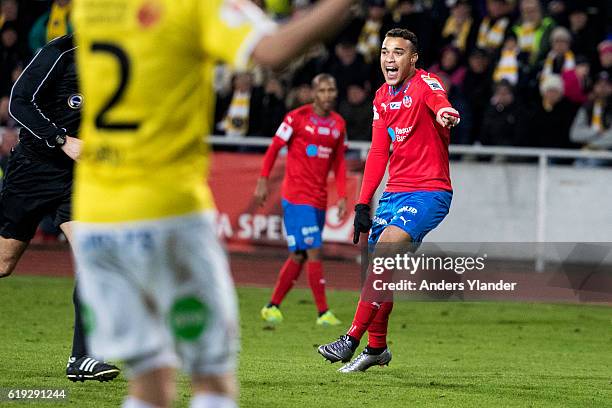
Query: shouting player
[412, 114]
[155, 277]
[46, 101]
[315, 136]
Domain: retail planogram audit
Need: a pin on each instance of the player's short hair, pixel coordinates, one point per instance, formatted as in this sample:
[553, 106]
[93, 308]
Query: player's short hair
[324, 77]
[406, 35]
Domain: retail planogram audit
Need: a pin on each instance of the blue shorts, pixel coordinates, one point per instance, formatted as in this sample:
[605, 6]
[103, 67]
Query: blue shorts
[304, 226]
[416, 212]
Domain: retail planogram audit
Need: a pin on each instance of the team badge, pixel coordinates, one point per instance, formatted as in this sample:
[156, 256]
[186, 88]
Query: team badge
[75, 101]
[335, 133]
[407, 101]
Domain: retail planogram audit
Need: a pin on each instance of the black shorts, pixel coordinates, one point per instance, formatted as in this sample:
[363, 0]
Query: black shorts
[33, 188]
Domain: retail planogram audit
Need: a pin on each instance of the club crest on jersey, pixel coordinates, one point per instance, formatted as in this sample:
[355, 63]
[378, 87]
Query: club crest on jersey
[407, 101]
[433, 83]
[75, 101]
[335, 133]
[395, 105]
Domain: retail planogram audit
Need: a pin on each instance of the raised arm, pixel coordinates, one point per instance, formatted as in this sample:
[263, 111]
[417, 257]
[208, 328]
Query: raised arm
[293, 38]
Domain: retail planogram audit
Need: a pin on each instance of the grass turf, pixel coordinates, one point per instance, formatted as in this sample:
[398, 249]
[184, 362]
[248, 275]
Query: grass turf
[444, 354]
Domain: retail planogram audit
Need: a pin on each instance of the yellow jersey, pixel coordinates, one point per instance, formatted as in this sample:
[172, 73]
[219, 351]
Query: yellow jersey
[146, 73]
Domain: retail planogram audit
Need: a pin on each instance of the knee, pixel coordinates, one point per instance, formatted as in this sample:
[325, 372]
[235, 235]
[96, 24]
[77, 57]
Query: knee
[298, 256]
[7, 266]
[224, 385]
[314, 255]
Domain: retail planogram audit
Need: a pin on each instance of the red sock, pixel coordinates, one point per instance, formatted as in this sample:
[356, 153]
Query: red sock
[317, 284]
[377, 332]
[285, 281]
[366, 311]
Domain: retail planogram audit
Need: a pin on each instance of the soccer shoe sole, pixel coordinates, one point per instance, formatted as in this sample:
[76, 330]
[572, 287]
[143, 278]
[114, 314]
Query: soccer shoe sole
[103, 376]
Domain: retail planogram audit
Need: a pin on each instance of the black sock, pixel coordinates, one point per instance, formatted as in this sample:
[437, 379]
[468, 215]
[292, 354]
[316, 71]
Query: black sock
[374, 350]
[354, 342]
[273, 305]
[79, 349]
[323, 312]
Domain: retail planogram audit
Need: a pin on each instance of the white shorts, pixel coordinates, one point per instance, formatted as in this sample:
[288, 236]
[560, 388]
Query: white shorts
[158, 292]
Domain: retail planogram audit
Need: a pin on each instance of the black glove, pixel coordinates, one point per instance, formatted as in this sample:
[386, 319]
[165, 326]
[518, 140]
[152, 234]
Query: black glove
[362, 222]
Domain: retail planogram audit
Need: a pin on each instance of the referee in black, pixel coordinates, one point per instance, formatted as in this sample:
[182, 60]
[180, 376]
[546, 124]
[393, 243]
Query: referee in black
[45, 100]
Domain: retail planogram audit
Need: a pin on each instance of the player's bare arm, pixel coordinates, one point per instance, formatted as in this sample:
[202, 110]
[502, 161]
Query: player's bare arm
[261, 191]
[293, 38]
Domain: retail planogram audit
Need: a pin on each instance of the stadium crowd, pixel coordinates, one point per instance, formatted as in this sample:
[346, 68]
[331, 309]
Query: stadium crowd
[521, 72]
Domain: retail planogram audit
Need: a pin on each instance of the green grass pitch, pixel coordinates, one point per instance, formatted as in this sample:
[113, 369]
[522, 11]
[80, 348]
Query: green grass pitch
[444, 354]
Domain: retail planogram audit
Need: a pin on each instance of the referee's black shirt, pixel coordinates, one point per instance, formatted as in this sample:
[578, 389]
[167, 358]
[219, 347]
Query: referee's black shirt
[45, 100]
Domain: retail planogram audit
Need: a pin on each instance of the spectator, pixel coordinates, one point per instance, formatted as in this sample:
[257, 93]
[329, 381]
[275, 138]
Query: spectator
[357, 112]
[450, 66]
[560, 58]
[583, 32]
[370, 37]
[605, 55]
[557, 10]
[55, 23]
[553, 116]
[495, 26]
[408, 15]
[240, 109]
[504, 120]
[272, 106]
[347, 66]
[300, 95]
[461, 134]
[533, 31]
[477, 87]
[11, 53]
[576, 81]
[508, 67]
[459, 29]
[593, 124]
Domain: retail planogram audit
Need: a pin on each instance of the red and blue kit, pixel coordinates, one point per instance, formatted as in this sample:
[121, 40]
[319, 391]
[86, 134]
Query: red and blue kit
[418, 193]
[315, 146]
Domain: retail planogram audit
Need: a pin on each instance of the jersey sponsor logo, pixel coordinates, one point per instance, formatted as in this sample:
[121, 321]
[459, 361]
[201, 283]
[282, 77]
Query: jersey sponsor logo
[75, 101]
[399, 134]
[376, 115]
[284, 131]
[407, 101]
[324, 131]
[395, 105]
[433, 83]
[322, 152]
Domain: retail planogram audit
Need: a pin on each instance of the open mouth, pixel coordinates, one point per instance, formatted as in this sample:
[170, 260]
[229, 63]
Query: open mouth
[392, 72]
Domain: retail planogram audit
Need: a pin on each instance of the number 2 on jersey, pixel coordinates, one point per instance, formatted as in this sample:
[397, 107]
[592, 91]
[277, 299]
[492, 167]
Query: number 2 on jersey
[124, 65]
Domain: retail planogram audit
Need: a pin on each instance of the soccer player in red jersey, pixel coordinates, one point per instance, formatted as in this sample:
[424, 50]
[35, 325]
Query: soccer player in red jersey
[412, 114]
[315, 137]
